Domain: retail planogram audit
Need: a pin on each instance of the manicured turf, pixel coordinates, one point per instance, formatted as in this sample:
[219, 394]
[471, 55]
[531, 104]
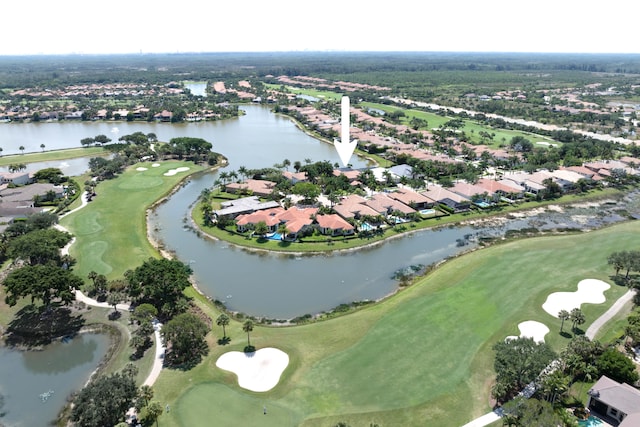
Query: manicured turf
[423, 355]
[111, 229]
[52, 155]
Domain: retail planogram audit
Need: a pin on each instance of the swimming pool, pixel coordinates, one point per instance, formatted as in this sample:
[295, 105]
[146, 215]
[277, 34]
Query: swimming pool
[275, 236]
[365, 226]
[590, 422]
[427, 211]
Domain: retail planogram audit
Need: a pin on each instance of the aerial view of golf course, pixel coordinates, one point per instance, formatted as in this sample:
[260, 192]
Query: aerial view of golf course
[320, 239]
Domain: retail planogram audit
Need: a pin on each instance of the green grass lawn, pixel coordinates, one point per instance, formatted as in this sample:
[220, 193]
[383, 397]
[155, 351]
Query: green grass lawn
[51, 155]
[111, 230]
[471, 127]
[423, 355]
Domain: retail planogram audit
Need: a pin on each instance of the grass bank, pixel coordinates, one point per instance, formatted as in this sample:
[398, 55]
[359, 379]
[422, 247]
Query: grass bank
[51, 155]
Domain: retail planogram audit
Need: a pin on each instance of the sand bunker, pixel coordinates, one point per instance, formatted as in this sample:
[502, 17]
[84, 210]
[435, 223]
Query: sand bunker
[155, 165]
[259, 371]
[171, 172]
[589, 291]
[141, 169]
[532, 329]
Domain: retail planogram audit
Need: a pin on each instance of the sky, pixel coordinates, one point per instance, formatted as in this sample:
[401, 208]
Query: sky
[143, 26]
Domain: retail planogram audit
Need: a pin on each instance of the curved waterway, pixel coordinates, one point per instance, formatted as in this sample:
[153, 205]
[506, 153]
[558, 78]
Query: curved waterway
[277, 285]
[35, 385]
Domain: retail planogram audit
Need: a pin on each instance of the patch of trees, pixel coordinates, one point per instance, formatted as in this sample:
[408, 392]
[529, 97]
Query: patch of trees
[102, 168]
[106, 399]
[626, 262]
[161, 283]
[184, 339]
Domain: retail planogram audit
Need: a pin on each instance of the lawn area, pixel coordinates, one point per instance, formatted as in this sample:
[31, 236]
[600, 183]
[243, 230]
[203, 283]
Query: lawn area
[45, 156]
[422, 355]
[111, 229]
[471, 127]
[322, 94]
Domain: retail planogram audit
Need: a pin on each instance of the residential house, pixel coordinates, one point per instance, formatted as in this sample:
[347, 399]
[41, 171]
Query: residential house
[448, 198]
[244, 205]
[354, 207]
[270, 217]
[334, 225]
[401, 171]
[295, 177]
[472, 191]
[15, 178]
[297, 220]
[258, 187]
[616, 403]
[411, 198]
[385, 205]
[164, 116]
[566, 179]
[501, 189]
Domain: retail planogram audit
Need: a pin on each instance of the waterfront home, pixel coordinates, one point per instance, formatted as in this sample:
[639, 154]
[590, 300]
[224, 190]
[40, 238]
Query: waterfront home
[503, 188]
[270, 217]
[244, 205]
[385, 205]
[334, 225]
[616, 403]
[411, 198]
[448, 198]
[472, 191]
[297, 220]
[258, 187]
[354, 207]
[15, 178]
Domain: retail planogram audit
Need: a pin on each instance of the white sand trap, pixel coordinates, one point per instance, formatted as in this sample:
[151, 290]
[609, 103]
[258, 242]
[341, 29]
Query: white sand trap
[532, 329]
[155, 165]
[171, 172]
[259, 371]
[141, 169]
[589, 291]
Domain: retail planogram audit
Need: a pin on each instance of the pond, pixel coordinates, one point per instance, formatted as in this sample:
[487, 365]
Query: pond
[35, 384]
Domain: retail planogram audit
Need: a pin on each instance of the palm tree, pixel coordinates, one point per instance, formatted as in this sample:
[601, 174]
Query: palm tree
[21, 148]
[283, 231]
[223, 320]
[563, 315]
[577, 317]
[154, 410]
[0, 151]
[42, 147]
[146, 393]
[247, 327]
[242, 170]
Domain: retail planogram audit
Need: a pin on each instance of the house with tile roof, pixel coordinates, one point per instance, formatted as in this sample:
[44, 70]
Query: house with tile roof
[411, 198]
[448, 198]
[618, 404]
[385, 205]
[258, 187]
[334, 225]
[354, 207]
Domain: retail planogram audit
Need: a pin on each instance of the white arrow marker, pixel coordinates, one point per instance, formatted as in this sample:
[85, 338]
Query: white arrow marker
[345, 146]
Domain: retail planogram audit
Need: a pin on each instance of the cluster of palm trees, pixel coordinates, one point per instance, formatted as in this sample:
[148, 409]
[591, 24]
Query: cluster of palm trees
[223, 321]
[576, 316]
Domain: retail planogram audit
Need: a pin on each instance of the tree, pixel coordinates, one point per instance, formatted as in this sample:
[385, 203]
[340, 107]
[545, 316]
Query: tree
[577, 318]
[154, 410]
[617, 366]
[45, 283]
[146, 394]
[563, 315]
[261, 228]
[247, 327]
[617, 261]
[42, 147]
[519, 361]
[144, 313]
[21, 148]
[160, 282]
[115, 298]
[104, 401]
[183, 336]
[39, 246]
[223, 320]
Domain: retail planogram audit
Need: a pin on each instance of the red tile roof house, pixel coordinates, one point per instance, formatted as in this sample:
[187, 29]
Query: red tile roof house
[334, 225]
[616, 403]
[354, 207]
[244, 205]
[258, 187]
[472, 191]
[449, 198]
[296, 220]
